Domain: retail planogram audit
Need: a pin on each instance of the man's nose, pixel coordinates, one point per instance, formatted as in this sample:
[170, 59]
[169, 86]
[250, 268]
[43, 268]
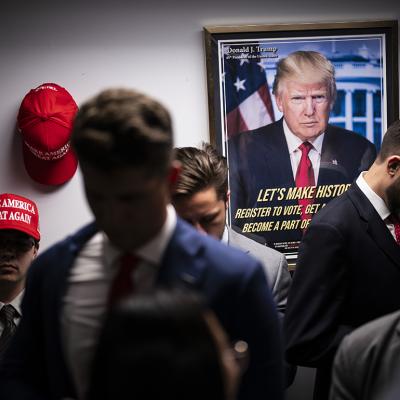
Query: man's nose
[199, 228]
[309, 106]
[7, 254]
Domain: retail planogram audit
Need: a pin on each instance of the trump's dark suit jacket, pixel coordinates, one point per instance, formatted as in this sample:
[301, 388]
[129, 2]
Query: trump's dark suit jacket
[260, 159]
[233, 284]
[347, 273]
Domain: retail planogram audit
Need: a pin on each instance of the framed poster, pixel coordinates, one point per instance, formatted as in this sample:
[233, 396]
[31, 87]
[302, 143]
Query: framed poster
[336, 87]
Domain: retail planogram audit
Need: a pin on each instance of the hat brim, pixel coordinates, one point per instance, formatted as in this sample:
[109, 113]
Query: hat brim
[31, 232]
[55, 172]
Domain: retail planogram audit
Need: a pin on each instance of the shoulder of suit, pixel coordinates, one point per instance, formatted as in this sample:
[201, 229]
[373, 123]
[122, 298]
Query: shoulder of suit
[256, 133]
[255, 249]
[375, 332]
[70, 243]
[194, 244]
[347, 135]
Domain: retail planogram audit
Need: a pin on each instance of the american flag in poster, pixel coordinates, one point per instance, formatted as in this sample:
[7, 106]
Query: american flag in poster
[247, 98]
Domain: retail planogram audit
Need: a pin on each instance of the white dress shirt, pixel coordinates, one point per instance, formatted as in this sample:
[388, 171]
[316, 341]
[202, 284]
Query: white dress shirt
[293, 143]
[85, 301]
[377, 202]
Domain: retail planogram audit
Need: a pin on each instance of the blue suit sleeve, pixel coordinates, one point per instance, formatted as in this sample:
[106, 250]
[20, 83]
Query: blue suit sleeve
[257, 323]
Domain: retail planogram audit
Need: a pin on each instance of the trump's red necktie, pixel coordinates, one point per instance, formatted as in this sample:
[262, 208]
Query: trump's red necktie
[123, 285]
[396, 223]
[305, 176]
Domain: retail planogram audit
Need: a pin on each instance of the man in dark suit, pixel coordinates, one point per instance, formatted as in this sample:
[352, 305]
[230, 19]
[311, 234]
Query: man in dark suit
[19, 245]
[348, 268]
[367, 363]
[123, 140]
[299, 151]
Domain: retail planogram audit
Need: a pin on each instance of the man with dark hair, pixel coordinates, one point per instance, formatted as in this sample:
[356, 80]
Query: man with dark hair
[123, 140]
[201, 198]
[19, 244]
[347, 271]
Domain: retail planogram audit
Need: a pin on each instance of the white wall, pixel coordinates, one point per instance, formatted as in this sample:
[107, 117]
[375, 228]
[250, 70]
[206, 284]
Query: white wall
[153, 45]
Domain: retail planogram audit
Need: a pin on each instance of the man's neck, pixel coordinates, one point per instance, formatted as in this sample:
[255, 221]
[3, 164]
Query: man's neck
[375, 181]
[9, 291]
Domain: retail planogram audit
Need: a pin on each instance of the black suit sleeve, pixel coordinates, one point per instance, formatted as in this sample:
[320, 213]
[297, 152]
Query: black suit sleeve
[237, 189]
[257, 323]
[312, 324]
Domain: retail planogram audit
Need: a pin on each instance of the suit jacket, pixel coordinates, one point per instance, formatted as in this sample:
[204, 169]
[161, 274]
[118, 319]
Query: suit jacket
[367, 362]
[278, 276]
[347, 273]
[232, 283]
[260, 160]
[274, 263]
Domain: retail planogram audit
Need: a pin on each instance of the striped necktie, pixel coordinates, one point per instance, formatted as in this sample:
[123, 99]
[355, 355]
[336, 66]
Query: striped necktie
[7, 315]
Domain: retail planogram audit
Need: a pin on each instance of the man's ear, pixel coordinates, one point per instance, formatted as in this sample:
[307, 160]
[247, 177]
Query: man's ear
[228, 195]
[35, 251]
[173, 175]
[393, 165]
[278, 100]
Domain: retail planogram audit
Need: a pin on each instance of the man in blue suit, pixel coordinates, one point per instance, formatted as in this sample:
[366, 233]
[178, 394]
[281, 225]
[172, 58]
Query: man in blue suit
[265, 163]
[124, 144]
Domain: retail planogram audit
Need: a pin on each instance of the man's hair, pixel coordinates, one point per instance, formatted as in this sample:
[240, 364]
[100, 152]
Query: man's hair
[201, 169]
[306, 66]
[390, 143]
[123, 128]
[163, 340]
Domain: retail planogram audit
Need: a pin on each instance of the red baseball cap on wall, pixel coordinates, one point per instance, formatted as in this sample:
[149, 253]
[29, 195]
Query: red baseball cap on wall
[19, 213]
[45, 120]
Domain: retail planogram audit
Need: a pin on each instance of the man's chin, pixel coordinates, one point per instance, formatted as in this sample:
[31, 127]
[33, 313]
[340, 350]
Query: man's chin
[123, 244]
[309, 134]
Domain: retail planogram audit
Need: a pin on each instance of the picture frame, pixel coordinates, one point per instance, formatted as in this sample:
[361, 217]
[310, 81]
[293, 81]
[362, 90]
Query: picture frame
[241, 62]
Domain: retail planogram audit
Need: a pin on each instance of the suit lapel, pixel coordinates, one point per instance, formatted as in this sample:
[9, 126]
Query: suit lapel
[181, 264]
[375, 227]
[233, 240]
[277, 156]
[331, 169]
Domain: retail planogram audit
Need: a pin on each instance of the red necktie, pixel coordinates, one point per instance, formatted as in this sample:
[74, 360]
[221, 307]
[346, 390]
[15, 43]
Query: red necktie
[396, 223]
[305, 176]
[122, 284]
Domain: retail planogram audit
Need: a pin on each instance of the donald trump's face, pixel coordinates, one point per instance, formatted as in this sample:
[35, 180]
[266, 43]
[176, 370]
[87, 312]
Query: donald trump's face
[305, 107]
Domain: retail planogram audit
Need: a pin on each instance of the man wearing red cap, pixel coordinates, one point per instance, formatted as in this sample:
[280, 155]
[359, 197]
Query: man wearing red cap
[19, 243]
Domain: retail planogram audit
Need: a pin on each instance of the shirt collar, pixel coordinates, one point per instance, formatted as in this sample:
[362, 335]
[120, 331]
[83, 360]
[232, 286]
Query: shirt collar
[151, 251]
[294, 142]
[16, 303]
[225, 236]
[376, 201]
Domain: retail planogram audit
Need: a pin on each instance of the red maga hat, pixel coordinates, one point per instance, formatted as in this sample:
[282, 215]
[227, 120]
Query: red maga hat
[19, 213]
[45, 120]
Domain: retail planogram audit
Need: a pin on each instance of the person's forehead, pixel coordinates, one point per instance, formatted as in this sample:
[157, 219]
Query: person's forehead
[14, 234]
[305, 87]
[198, 203]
